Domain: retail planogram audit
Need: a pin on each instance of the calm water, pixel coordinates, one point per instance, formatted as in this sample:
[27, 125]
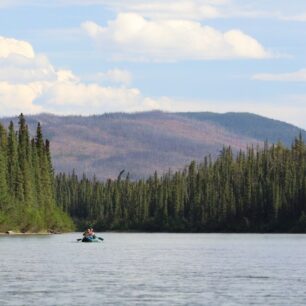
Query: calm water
[154, 269]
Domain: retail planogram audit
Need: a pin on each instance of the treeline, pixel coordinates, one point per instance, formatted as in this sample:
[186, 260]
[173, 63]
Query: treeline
[27, 194]
[260, 190]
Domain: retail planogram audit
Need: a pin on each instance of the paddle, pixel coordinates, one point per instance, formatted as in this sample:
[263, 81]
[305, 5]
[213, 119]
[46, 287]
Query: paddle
[80, 239]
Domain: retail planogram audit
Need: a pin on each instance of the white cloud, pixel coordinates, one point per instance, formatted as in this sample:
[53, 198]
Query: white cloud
[132, 37]
[297, 76]
[17, 98]
[20, 69]
[30, 84]
[79, 98]
[66, 76]
[27, 89]
[9, 46]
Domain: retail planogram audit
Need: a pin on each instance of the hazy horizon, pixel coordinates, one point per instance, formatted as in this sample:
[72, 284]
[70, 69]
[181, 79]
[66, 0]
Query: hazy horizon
[140, 112]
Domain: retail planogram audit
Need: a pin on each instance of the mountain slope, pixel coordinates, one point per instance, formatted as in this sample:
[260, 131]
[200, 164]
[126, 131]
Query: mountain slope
[250, 125]
[141, 143]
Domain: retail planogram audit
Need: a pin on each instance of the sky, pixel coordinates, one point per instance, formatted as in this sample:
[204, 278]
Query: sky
[95, 56]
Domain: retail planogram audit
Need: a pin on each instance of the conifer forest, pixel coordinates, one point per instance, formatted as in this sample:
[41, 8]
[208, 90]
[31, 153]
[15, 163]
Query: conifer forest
[262, 189]
[258, 190]
[27, 194]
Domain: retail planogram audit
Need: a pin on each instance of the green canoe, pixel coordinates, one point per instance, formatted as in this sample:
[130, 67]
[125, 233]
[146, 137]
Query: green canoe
[95, 239]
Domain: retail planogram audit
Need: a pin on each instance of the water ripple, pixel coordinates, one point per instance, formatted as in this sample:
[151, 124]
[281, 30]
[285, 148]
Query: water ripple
[153, 269]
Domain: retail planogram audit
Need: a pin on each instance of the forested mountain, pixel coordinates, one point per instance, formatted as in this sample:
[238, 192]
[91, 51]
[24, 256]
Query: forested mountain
[260, 190]
[27, 194]
[256, 188]
[141, 143]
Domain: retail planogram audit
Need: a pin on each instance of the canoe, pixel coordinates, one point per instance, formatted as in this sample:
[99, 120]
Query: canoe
[96, 239]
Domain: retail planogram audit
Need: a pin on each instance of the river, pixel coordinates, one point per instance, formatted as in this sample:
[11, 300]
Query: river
[153, 269]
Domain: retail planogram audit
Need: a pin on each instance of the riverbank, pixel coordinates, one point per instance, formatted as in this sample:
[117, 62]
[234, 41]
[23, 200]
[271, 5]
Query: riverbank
[12, 233]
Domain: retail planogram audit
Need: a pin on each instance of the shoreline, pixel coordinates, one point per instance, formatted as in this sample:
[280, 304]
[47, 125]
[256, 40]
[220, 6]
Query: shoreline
[12, 233]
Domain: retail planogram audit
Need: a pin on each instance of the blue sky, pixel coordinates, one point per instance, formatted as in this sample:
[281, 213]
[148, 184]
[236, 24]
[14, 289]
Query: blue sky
[96, 56]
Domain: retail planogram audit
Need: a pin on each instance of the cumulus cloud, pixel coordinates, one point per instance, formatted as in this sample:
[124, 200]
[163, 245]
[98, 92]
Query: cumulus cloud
[29, 83]
[17, 98]
[70, 97]
[132, 37]
[21, 69]
[33, 85]
[9, 46]
[297, 76]
[66, 76]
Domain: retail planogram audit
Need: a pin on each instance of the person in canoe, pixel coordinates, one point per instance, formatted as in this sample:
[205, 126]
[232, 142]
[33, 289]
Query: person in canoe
[92, 233]
[89, 233]
[90, 236]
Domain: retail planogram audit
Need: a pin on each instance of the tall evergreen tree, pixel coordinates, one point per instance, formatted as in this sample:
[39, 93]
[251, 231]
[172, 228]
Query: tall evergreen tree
[27, 198]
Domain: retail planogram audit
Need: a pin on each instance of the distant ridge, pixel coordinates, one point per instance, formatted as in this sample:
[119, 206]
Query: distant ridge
[144, 142]
[244, 123]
